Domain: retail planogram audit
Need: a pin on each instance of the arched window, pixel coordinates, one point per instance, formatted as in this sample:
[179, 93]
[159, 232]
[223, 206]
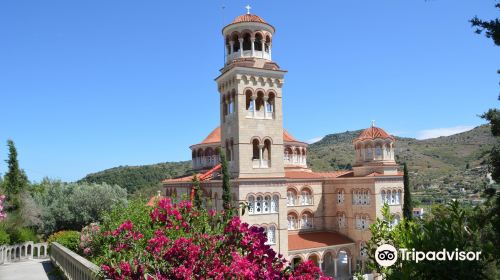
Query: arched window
[341, 220]
[340, 196]
[306, 197]
[268, 44]
[359, 197]
[306, 221]
[368, 152]
[267, 204]
[249, 101]
[378, 151]
[399, 197]
[267, 150]
[363, 223]
[382, 196]
[258, 42]
[393, 197]
[291, 196]
[255, 146]
[270, 103]
[259, 101]
[363, 252]
[258, 205]
[251, 204]
[236, 43]
[274, 204]
[247, 43]
[354, 194]
[271, 235]
[292, 221]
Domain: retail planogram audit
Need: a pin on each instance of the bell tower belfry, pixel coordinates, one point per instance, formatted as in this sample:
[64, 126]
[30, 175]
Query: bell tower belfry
[250, 87]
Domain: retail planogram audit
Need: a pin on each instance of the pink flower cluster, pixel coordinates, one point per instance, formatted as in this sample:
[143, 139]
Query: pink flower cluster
[187, 243]
[87, 236]
[3, 215]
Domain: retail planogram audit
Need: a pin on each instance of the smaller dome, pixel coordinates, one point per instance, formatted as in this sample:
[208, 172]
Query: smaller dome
[248, 18]
[373, 133]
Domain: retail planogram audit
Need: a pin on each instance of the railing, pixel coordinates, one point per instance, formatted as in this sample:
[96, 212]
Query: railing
[23, 251]
[248, 53]
[74, 266]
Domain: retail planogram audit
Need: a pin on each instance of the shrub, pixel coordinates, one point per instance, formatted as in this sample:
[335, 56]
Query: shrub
[180, 242]
[87, 237]
[68, 238]
[20, 235]
[4, 237]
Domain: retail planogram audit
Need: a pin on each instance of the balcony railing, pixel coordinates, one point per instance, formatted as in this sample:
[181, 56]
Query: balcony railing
[206, 161]
[261, 163]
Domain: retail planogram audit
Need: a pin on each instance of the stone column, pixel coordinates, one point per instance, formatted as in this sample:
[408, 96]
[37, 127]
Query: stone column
[349, 260]
[263, 43]
[241, 46]
[269, 51]
[265, 106]
[320, 262]
[254, 105]
[335, 267]
[261, 151]
[231, 45]
[252, 39]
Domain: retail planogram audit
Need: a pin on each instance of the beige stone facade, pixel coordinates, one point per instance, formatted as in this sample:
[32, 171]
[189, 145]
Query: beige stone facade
[319, 216]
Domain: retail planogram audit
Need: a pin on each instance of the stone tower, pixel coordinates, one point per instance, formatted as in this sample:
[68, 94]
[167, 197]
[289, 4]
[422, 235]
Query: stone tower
[250, 87]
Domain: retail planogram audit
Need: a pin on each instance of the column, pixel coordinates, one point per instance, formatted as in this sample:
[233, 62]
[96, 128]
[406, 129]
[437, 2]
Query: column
[231, 45]
[269, 51]
[335, 267]
[320, 262]
[265, 106]
[263, 43]
[241, 46]
[261, 151]
[252, 39]
[349, 259]
[254, 105]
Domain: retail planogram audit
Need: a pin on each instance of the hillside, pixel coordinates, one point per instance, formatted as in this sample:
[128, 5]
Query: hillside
[143, 178]
[441, 165]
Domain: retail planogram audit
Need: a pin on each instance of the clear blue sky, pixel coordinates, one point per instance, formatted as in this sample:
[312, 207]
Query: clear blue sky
[89, 85]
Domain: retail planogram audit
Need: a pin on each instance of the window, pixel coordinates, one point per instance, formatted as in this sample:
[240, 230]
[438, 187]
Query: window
[292, 222]
[341, 220]
[274, 204]
[363, 252]
[251, 202]
[306, 221]
[306, 197]
[271, 235]
[364, 223]
[358, 222]
[290, 197]
[382, 195]
[340, 196]
[267, 204]
[258, 205]
[398, 197]
[393, 197]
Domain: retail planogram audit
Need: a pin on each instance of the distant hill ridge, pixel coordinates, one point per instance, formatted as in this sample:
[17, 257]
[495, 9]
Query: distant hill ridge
[438, 161]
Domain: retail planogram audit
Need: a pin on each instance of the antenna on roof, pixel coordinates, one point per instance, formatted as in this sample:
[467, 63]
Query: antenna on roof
[248, 7]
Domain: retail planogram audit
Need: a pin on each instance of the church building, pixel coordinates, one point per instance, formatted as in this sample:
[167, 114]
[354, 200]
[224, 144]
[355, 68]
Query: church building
[318, 216]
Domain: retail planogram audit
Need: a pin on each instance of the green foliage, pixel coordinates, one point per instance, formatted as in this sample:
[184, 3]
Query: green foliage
[449, 227]
[68, 238]
[197, 200]
[491, 27]
[407, 205]
[71, 206]
[226, 185]
[4, 236]
[15, 180]
[136, 178]
[20, 235]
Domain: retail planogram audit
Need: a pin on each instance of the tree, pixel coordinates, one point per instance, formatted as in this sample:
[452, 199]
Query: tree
[196, 192]
[226, 185]
[492, 27]
[407, 204]
[15, 180]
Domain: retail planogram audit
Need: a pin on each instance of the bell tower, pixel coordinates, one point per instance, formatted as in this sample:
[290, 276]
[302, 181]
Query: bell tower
[250, 87]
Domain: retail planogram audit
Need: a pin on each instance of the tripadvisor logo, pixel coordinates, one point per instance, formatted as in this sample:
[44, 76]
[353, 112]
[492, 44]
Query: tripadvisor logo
[387, 255]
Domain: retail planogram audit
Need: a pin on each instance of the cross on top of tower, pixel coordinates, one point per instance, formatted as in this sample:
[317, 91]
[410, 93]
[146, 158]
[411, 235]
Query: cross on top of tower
[248, 7]
[373, 123]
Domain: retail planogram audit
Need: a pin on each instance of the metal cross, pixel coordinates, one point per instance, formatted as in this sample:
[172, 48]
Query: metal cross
[248, 9]
[373, 123]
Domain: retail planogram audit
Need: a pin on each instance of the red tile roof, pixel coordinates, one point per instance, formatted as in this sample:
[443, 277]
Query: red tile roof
[248, 18]
[201, 176]
[311, 240]
[372, 133]
[215, 136]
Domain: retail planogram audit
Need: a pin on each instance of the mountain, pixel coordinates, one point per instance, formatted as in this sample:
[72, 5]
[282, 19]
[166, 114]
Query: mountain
[143, 179]
[440, 165]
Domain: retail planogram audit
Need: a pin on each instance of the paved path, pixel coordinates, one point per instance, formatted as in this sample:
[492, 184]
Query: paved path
[27, 270]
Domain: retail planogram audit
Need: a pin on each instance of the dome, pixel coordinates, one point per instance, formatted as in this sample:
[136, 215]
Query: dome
[248, 18]
[373, 133]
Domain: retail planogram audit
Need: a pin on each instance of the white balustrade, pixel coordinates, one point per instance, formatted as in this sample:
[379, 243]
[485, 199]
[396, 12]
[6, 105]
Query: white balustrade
[74, 266]
[23, 251]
